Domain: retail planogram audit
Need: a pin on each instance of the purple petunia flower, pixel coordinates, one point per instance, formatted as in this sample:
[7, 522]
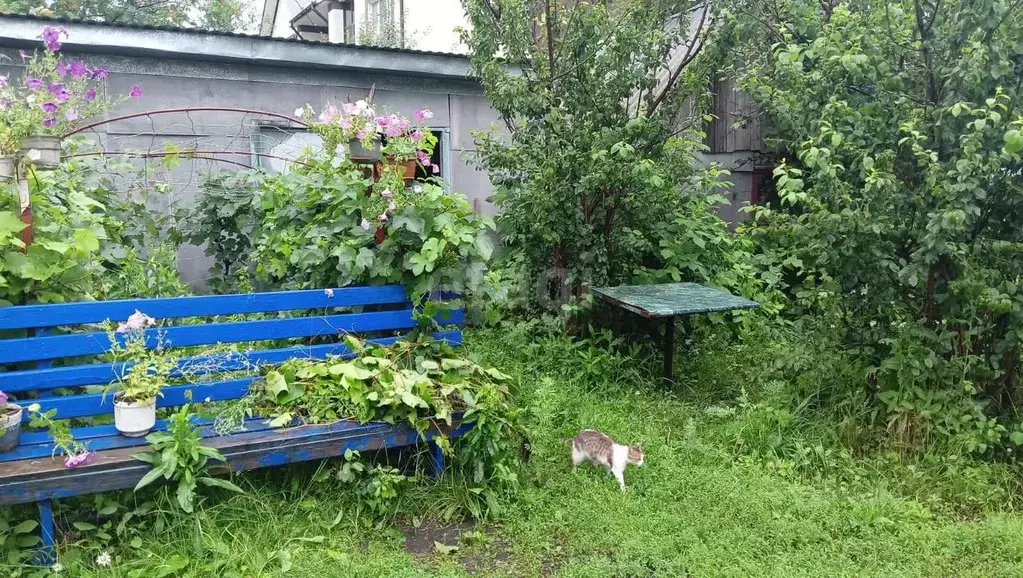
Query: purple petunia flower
[76, 460]
[417, 135]
[61, 69]
[51, 36]
[33, 83]
[49, 121]
[382, 217]
[100, 73]
[90, 94]
[360, 135]
[3, 399]
[61, 93]
[49, 107]
[423, 158]
[392, 131]
[78, 69]
[71, 115]
[136, 91]
[387, 194]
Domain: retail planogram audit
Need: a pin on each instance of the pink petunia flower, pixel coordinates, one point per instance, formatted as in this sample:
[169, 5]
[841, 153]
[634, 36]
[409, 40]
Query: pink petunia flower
[61, 69]
[417, 135]
[136, 91]
[77, 460]
[3, 399]
[423, 158]
[71, 115]
[387, 194]
[90, 94]
[365, 225]
[51, 36]
[382, 217]
[423, 114]
[435, 169]
[49, 121]
[391, 206]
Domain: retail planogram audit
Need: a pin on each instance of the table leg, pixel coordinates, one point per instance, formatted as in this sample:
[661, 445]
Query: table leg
[669, 351]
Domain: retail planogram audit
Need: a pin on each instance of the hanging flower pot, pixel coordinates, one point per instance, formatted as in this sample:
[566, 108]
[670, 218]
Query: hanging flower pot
[42, 150]
[134, 419]
[10, 426]
[407, 168]
[8, 167]
[361, 153]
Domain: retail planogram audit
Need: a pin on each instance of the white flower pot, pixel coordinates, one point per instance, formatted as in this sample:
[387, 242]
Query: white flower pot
[8, 167]
[43, 151]
[10, 427]
[134, 419]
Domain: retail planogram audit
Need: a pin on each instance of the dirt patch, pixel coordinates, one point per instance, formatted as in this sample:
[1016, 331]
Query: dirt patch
[480, 550]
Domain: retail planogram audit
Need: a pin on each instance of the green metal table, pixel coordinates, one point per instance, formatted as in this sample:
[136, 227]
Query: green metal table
[668, 301]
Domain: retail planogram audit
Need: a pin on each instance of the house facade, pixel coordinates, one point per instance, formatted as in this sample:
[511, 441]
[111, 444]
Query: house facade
[426, 25]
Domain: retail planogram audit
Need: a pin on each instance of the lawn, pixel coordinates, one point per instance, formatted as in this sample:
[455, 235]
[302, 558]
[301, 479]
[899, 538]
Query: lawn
[694, 509]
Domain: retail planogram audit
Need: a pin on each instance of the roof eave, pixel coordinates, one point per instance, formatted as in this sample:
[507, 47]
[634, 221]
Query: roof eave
[21, 32]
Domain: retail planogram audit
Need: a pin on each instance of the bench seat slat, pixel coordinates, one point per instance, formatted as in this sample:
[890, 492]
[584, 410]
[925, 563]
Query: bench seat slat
[103, 373]
[35, 480]
[55, 314]
[58, 346]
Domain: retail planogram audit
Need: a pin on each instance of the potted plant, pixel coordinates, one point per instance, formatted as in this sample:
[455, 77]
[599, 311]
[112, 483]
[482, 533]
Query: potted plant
[144, 375]
[404, 143]
[53, 96]
[10, 423]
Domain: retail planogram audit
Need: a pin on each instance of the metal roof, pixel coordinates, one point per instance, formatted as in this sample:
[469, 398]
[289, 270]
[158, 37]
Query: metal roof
[19, 31]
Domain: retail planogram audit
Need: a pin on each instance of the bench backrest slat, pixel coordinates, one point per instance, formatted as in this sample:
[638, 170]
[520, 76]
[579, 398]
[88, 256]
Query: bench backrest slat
[78, 344]
[57, 314]
[103, 373]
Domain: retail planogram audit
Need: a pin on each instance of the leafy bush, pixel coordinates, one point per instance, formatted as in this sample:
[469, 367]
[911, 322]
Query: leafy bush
[224, 219]
[315, 231]
[901, 200]
[599, 151]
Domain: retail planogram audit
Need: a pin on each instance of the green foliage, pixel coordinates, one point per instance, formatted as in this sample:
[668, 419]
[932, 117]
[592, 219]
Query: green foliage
[598, 152]
[315, 231]
[224, 219]
[376, 486]
[222, 15]
[146, 370]
[901, 200]
[16, 540]
[179, 455]
[64, 442]
[421, 383]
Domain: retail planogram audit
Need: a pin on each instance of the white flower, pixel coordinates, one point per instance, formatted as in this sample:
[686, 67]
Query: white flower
[340, 152]
[30, 98]
[364, 224]
[329, 292]
[417, 188]
[34, 154]
[361, 105]
[104, 559]
[207, 400]
[57, 568]
[137, 320]
[300, 111]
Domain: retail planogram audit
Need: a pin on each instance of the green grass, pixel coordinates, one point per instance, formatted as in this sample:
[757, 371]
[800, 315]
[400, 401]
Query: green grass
[695, 509]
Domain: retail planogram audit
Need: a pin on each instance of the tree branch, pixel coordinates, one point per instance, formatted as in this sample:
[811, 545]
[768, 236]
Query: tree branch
[691, 53]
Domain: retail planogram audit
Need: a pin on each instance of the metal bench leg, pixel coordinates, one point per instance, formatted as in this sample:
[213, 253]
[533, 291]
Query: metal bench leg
[669, 351]
[47, 553]
[436, 460]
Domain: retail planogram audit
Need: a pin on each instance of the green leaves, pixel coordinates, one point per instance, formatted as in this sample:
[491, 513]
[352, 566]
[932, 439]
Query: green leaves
[179, 455]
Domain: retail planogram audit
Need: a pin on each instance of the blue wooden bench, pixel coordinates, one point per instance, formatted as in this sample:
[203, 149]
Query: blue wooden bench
[30, 473]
